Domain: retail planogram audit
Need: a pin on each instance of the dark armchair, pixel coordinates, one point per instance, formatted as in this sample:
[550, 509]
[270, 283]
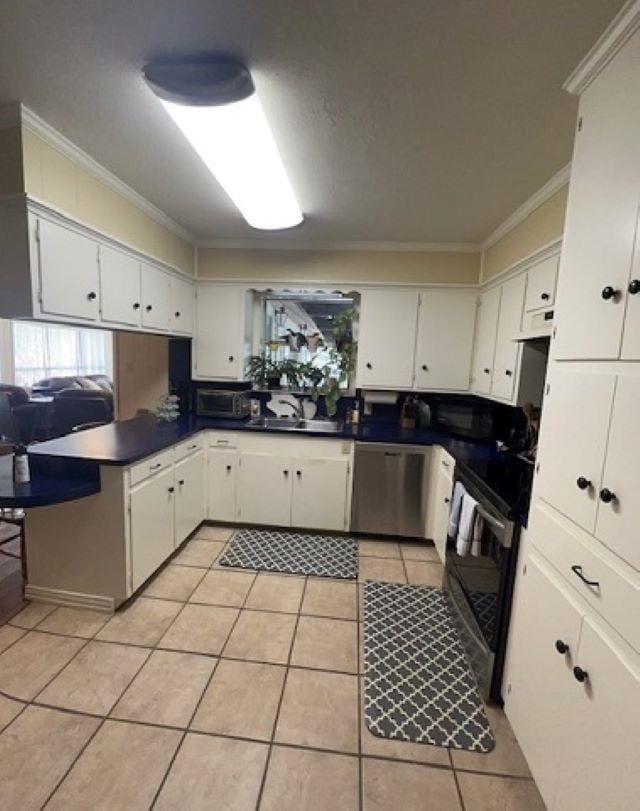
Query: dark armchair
[74, 409]
[23, 413]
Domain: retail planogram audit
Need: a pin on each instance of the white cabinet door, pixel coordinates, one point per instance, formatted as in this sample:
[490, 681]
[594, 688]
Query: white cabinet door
[386, 340]
[573, 442]
[69, 277]
[444, 486]
[631, 335]
[601, 755]
[182, 306]
[152, 525]
[219, 339]
[618, 524]
[485, 340]
[189, 484]
[119, 287]
[156, 298]
[505, 364]
[541, 284]
[540, 677]
[446, 326]
[264, 489]
[601, 213]
[319, 498]
[222, 477]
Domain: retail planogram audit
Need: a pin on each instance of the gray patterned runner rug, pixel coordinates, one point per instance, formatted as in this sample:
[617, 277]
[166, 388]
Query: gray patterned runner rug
[418, 685]
[293, 553]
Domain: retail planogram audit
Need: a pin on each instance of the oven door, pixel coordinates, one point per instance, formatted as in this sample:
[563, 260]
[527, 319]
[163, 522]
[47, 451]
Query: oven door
[479, 590]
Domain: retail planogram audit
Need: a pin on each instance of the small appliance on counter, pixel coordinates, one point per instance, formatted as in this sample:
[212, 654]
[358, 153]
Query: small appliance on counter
[223, 403]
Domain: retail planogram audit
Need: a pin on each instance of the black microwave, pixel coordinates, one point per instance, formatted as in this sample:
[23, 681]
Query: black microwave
[231, 405]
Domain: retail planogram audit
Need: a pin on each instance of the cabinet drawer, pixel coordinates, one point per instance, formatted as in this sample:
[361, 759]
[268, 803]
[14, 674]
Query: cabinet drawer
[222, 439]
[189, 446]
[616, 597]
[149, 466]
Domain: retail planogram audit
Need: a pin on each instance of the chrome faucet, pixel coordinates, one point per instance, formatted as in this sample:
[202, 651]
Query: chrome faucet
[298, 409]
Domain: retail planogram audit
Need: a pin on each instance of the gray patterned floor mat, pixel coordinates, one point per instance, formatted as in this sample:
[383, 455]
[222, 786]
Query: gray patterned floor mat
[293, 553]
[418, 684]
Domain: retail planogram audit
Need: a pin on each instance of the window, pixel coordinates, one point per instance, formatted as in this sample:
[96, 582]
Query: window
[44, 350]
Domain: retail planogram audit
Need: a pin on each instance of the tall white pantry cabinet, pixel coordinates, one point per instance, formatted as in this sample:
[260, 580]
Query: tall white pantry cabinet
[573, 677]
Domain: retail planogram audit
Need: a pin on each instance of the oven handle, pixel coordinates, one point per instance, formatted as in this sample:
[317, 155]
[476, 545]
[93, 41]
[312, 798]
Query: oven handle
[505, 529]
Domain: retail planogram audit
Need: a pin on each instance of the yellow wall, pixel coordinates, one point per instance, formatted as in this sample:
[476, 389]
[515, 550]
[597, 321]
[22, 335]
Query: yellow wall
[542, 226]
[415, 267]
[55, 179]
[11, 181]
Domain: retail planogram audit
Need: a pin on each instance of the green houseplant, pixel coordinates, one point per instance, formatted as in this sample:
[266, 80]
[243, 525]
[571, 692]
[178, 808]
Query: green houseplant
[264, 372]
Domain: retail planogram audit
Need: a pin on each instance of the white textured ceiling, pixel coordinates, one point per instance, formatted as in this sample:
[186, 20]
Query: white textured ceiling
[398, 120]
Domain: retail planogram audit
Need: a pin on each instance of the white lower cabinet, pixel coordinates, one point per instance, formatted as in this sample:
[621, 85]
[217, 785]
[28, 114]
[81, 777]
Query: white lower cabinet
[264, 489]
[152, 525]
[443, 489]
[319, 494]
[189, 492]
[222, 479]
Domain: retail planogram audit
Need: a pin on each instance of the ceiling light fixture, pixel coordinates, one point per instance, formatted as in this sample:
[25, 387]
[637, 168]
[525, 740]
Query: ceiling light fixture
[215, 104]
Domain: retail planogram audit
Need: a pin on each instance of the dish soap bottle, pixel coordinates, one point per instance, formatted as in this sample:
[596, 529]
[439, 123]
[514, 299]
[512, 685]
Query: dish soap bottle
[21, 474]
[409, 413]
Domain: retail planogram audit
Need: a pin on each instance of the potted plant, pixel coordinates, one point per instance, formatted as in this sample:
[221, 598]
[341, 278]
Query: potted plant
[263, 372]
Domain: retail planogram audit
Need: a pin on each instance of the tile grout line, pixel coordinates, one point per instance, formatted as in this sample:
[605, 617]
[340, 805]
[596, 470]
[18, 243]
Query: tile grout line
[359, 676]
[281, 699]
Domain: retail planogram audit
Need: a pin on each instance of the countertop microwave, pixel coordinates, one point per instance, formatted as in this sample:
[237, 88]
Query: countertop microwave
[231, 405]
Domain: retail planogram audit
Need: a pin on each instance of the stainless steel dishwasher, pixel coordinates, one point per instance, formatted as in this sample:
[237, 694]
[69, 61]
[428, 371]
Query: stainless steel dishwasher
[390, 489]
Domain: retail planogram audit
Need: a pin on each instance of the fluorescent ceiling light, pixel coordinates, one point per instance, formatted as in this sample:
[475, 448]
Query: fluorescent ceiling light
[226, 125]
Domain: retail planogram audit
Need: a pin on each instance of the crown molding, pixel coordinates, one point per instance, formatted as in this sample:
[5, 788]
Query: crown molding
[543, 252]
[621, 28]
[382, 247]
[35, 124]
[557, 182]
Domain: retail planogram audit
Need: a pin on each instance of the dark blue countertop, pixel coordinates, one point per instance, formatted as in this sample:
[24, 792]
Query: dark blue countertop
[123, 443]
[51, 483]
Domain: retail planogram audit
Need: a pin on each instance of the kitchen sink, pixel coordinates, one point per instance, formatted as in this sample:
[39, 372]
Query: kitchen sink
[295, 424]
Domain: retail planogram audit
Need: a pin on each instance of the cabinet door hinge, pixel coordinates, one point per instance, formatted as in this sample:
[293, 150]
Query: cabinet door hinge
[580, 124]
[524, 570]
[547, 388]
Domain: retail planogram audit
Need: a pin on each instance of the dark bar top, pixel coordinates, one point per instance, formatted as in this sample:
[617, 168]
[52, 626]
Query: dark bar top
[51, 483]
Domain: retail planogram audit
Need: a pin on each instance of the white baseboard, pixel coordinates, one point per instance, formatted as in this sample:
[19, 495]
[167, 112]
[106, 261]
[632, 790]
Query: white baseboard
[70, 598]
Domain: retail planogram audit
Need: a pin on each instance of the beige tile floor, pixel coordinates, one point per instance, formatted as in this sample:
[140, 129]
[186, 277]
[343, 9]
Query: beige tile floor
[221, 688]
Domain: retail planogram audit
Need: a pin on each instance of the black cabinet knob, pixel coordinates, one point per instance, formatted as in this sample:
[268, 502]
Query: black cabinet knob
[607, 496]
[508, 372]
[561, 647]
[447, 500]
[285, 473]
[609, 292]
[487, 371]
[148, 308]
[583, 483]
[171, 489]
[634, 286]
[580, 674]
[299, 474]
[369, 366]
[91, 296]
[177, 313]
[545, 296]
[230, 358]
[228, 468]
[181, 482]
[424, 367]
[136, 305]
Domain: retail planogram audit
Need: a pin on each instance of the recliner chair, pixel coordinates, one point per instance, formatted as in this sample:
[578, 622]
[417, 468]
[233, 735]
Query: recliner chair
[78, 409]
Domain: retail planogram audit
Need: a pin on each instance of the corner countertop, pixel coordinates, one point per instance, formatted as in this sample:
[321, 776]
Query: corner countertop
[51, 483]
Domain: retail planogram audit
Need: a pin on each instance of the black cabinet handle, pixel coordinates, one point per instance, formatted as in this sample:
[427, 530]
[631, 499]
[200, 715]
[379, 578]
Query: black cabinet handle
[181, 482]
[577, 570]
[299, 474]
[369, 366]
[583, 484]
[228, 468]
[136, 305]
[230, 358]
[91, 296]
[171, 489]
[285, 473]
[446, 500]
[580, 674]
[177, 313]
[609, 292]
[562, 647]
[607, 496]
[634, 286]
[545, 296]
[425, 368]
[508, 372]
[148, 308]
[156, 466]
[487, 371]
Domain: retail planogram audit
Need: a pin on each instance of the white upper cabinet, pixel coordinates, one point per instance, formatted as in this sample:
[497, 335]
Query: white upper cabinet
[618, 523]
[507, 353]
[573, 442]
[68, 273]
[541, 284]
[119, 287]
[218, 352]
[485, 342]
[156, 298]
[182, 306]
[446, 326]
[387, 337]
[601, 215]
[631, 333]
